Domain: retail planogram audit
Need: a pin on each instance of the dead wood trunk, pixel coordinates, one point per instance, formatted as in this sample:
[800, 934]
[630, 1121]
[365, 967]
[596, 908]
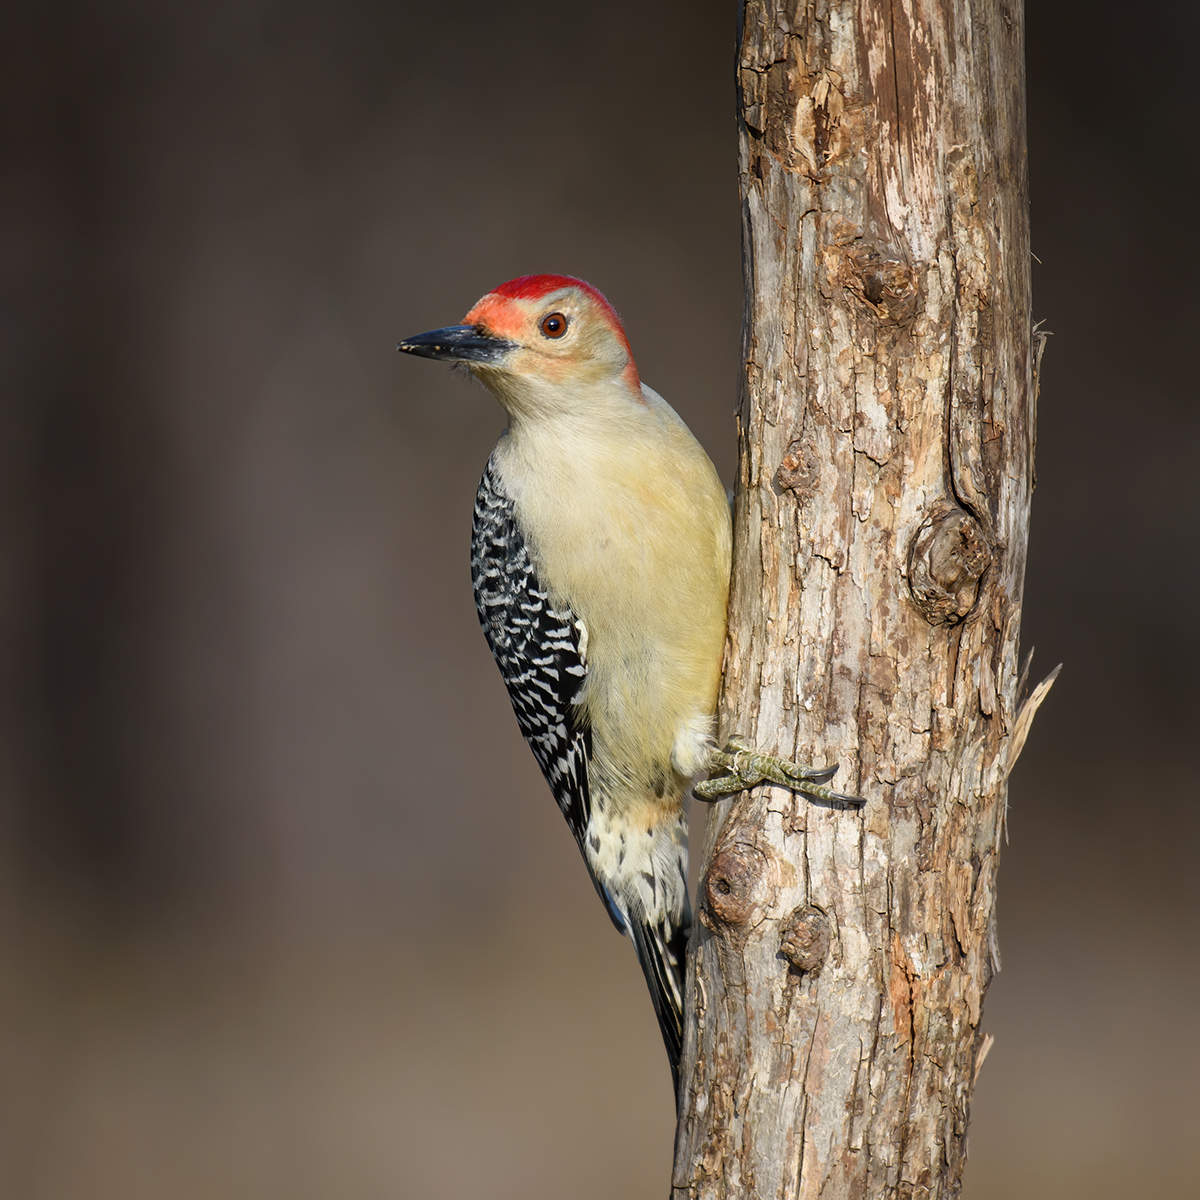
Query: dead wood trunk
[887, 435]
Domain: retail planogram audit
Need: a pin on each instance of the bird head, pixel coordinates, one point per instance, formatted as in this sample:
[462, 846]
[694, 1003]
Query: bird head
[542, 343]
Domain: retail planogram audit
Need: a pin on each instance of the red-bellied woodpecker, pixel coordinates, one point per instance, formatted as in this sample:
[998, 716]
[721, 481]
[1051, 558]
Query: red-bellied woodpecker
[600, 559]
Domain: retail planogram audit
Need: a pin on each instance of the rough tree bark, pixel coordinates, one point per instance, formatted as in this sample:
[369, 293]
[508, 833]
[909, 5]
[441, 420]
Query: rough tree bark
[887, 437]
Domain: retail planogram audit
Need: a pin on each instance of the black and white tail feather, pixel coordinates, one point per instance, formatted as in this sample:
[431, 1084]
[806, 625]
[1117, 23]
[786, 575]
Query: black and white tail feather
[541, 651]
[662, 951]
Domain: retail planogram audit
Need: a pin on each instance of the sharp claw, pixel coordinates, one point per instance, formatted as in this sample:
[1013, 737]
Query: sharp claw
[824, 793]
[809, 774]
[846, 798]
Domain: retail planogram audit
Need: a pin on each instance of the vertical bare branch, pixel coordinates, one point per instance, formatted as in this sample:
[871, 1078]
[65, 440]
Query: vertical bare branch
[887, 436]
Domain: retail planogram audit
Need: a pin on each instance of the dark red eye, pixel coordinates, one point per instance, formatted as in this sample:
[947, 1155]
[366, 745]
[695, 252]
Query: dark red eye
[554, 325]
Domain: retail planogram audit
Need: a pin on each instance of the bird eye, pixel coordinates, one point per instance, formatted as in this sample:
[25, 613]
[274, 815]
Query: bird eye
[554, 325]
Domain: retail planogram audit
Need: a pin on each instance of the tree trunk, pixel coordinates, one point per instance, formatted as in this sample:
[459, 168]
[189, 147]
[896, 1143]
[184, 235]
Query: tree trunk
[887, 435]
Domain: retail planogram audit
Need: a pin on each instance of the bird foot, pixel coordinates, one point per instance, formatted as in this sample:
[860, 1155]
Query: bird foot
[744, 767]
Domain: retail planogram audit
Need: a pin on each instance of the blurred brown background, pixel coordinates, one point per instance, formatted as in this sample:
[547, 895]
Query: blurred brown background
[285, 909]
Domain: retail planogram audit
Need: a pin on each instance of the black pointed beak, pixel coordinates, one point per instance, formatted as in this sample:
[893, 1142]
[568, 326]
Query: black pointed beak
[458, 343]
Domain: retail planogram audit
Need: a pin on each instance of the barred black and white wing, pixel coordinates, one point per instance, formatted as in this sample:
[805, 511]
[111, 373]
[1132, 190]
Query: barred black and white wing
[541, 652]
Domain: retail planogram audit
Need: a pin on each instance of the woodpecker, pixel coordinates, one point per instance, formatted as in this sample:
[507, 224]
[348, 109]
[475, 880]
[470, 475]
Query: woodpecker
[600, 559]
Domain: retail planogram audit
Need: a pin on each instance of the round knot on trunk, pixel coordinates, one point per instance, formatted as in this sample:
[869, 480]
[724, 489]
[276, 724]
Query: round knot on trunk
[877, 277]
[731, 887]
[806, 938]
[798, 470]
[946, 560]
